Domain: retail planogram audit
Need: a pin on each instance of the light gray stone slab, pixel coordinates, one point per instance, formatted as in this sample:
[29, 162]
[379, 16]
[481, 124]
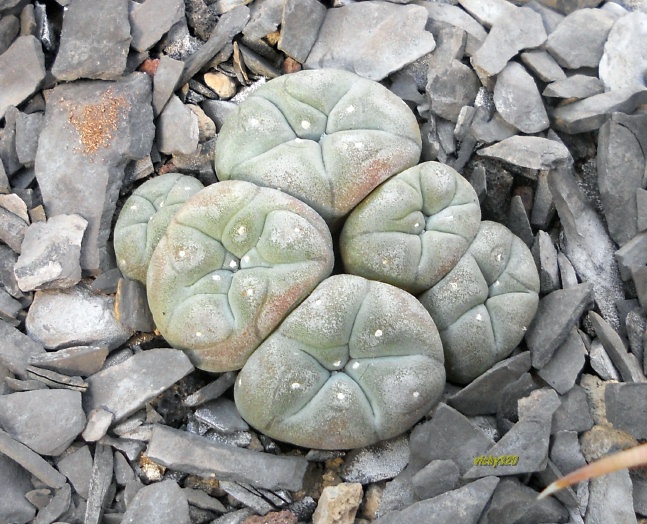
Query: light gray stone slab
[77, 467]
[300, 25]
[182, 451]
[50, 254]
[532, 152]
[100, 481]
[365, 38]
[16, 349]
[166, 77]
[627, 363]
[381, 461]
[558, 313]
[46, 420]
[528, 439]
[489, 12]
[14, 484]
[150, 20]
[441, 16]
[94, 41]
[94, 128]
[624, 61]
[463, 505]
[30, 460]
[437, 477]
[73, 317]
[578, 41]
[543, 66]
[22, 69]
[177, 129]
[589, 114]
[28, 127]
[125, 388]
[482, 395]
[610, 499]
[518, 101]
[566, 363]
[621, 168]
[507, 37]
[159, 502]
[80, 360]
[575, 86]
[586, 243]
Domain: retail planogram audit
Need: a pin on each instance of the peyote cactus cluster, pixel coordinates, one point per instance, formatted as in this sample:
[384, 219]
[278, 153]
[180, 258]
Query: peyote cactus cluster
[238, 273]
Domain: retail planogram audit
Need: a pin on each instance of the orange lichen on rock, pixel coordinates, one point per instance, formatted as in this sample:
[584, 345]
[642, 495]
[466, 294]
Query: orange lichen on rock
[96, 123]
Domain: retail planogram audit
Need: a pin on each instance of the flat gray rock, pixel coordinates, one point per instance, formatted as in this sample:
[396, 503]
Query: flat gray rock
[159, 502]
[518, 101]
[516, 502]
[437, 477]
[150, 20]
[166, 77]
[56, 507]
[14, 483]
[155, 370]
[441, 16]
[557, 315]
[566, 363]
[300, 24]
[265, 17]
[365, 38]
[632, 254]
[495, 129]
[589, 114]
[482, 395]
[12, 229]
[17, 349]
[624, 61]
[524, 447]
[625, 408]
[463, 505]
[381, 461]
[131, 306]
[573, 413]
[94, 128]
[31, 461]
[100, 480]
[74, 317]
[565, 452]
[489, 12]
[46, 420]
[621, 160]
[94, 41]
[9, 30]
[447, 436]
[50, 254]
[532, 152]
[545, 255]
[182, 451]
[75, 361]
[452, 87]
[578, 41]
[508, 36]
[28, 127]
[77, 467]
[610, 499]
[22, 69]
[586, 243]
[601, 362]
[221, 414]
[177, 129]
[543, 66]
[575, 86]
[627, 363]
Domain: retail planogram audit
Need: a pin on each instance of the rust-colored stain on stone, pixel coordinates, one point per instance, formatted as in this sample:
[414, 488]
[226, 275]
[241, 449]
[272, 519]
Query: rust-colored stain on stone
[96, 123]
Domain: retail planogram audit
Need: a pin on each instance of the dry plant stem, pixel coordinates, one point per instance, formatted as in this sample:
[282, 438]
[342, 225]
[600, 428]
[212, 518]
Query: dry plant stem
[624, 459]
